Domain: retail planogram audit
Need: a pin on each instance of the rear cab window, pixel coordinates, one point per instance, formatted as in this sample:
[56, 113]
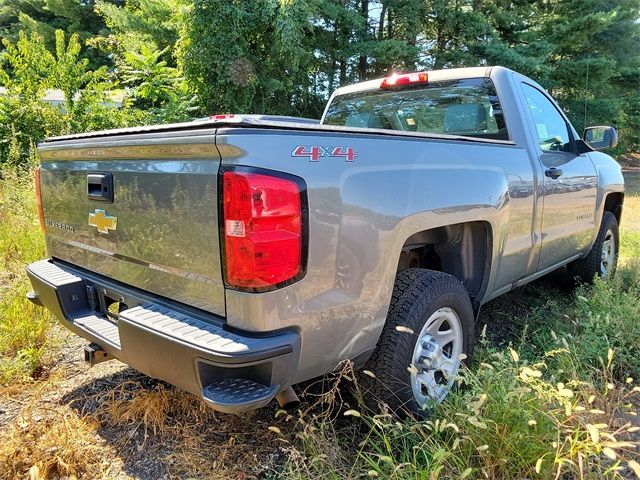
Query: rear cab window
[468, 107]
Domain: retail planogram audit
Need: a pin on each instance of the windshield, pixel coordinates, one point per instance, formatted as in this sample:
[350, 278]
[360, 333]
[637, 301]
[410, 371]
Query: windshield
[468, 107]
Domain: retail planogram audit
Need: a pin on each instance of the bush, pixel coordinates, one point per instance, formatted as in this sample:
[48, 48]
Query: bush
[28, 70]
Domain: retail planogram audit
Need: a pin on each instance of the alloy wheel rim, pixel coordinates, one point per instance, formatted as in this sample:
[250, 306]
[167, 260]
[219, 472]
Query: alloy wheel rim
[436, 356]
[607, 254]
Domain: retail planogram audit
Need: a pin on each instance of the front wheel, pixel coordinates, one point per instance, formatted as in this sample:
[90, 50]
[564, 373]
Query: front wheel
[429, 326]
[602, 259]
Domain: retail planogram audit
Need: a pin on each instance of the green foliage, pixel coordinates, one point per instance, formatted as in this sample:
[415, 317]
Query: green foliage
[287, 56]
[24, 117]
[154, 24]
[234, 55]
[608, 319]
[24, 328]
[29, 64]
[154, 86]
[28, 70]
[44, 17]
[595, 63]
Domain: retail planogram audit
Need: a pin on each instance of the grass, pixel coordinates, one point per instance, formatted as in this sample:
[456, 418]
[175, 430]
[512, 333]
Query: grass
[52, 444]
[552, 393]
[24, 328]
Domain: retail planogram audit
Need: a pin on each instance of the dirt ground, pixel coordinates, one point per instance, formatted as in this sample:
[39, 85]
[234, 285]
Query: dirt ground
[142, 428]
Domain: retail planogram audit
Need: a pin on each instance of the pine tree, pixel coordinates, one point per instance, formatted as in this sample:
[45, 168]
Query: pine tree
[251, 56]
[154, 24]
[595, 64]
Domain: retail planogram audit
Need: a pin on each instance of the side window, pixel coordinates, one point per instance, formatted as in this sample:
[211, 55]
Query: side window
[551, 128]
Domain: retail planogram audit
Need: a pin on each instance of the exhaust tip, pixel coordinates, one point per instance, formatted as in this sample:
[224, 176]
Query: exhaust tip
[34, 298]
[287, 399]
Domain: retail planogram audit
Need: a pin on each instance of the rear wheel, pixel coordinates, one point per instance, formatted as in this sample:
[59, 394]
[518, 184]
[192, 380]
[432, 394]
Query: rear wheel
[429, 326]
[603, 256]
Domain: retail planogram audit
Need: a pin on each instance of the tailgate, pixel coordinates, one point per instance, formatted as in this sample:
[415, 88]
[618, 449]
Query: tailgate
[156, 229]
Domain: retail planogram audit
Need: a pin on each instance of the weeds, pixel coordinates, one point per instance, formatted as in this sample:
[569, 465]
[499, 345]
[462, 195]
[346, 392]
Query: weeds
[609, 318]
[24, 328]
[511, 420]
[566, 406]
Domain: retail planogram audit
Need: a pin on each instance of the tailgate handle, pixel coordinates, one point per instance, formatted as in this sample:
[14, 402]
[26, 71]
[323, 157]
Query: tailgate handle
[100, 187]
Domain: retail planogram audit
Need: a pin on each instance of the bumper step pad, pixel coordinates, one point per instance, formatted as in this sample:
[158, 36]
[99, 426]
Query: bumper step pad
[232, 394]
[207, 336]
[101, 327]
[185, 328]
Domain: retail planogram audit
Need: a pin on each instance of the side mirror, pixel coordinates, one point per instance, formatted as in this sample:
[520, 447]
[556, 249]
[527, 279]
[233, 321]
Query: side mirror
[600, 137]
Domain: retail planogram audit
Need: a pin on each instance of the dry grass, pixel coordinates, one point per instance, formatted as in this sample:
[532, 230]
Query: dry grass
[191, 439]
[631, 214]
[128, 426]
[46, 443]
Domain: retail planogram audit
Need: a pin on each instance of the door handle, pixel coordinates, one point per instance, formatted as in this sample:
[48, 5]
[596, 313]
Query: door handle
[553, 172]
[100, 187]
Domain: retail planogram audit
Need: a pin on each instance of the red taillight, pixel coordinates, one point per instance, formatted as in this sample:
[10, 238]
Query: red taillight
[263, 229]
[39, 199]
[404, 79]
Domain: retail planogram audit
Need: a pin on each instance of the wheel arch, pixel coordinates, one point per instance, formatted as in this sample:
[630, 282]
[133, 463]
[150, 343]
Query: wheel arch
[613, 203]
[462, 250]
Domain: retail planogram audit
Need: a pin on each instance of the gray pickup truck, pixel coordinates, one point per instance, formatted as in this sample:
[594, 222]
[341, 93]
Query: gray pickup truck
[236, 256]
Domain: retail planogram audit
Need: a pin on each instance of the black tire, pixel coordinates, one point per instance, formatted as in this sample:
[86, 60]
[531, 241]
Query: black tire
[417, 294]
[584, 270]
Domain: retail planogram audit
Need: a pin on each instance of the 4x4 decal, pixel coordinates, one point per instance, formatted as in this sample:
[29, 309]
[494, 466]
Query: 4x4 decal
[315, 152]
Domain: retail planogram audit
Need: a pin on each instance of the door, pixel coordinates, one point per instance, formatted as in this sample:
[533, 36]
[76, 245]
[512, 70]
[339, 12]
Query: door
[569, 182]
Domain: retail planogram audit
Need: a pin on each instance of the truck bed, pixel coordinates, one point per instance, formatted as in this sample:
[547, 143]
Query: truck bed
[259, 121]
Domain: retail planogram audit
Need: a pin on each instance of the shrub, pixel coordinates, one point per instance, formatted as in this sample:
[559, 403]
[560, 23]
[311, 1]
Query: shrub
[28, 70]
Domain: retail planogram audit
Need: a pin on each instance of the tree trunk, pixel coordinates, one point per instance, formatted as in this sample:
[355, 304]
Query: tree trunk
[362, 61]
[383, 12]
[334, 61]
[343, 72]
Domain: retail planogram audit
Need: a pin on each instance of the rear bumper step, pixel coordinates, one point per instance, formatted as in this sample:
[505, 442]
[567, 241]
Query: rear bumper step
[237, 392]
[232, 371]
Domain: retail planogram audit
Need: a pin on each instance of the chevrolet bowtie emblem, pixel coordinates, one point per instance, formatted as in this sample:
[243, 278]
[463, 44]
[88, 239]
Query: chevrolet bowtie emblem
[102, 221]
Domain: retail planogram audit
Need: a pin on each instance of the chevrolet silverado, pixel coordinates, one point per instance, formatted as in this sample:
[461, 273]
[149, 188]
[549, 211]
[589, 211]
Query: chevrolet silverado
[238, 255]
